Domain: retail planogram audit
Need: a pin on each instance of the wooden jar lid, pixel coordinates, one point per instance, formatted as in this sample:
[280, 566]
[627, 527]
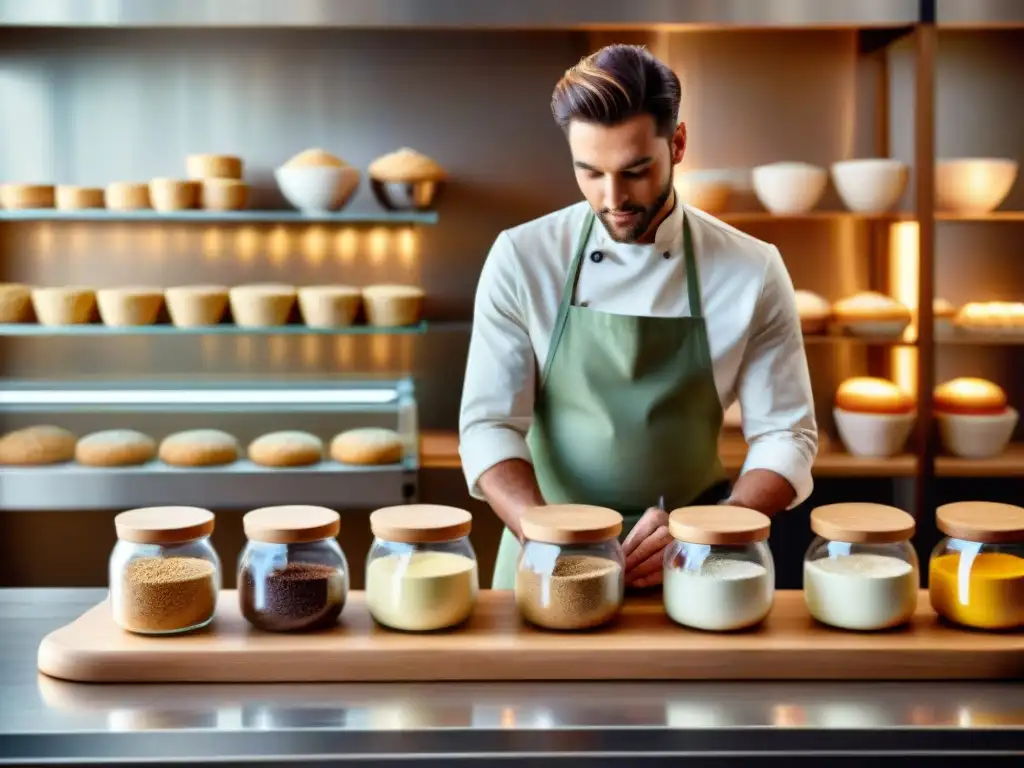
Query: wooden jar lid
[986, 522]
[857, 523]
[163, 525]
[570, 524]
[291, 524]
[420, 523]
[719, 525]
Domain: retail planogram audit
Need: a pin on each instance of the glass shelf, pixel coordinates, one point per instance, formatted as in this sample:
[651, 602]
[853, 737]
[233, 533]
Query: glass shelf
[222, 217]
[226, 329]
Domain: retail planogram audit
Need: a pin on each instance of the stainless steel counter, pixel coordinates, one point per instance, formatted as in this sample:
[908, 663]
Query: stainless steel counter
[48, 722]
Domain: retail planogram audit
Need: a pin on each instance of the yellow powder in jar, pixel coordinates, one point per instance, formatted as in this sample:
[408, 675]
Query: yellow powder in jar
[986, 591]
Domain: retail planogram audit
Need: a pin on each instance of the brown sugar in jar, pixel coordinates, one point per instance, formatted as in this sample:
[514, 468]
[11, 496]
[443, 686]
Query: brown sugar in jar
[292, 575]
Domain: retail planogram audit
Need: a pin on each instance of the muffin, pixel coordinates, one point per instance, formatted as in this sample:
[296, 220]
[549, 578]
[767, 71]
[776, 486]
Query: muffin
[168, 195]
[261, 305]
[66, 305]
[814, 311]
[870, 313]
[390, 306]
[974, 419]
[329, 306]
[26, 196]
[126, 196]
[15, 303]
[69, 198]
[129, 306]
[223, 195]
[195, 305]
[205, 166]
[874, 417]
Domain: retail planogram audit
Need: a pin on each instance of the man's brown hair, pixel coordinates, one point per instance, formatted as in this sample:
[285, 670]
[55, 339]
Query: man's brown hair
[614, 84]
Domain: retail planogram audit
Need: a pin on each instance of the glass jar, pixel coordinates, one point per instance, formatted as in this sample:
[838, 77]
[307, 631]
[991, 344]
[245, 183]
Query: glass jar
[976, 573]
[292, 575]
[861, 571]
[421, 570]
[719, 572]
[571, 571]
[164, 573]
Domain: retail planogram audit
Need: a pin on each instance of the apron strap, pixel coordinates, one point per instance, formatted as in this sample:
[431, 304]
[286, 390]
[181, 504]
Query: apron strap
[692, 276]
[569, 291]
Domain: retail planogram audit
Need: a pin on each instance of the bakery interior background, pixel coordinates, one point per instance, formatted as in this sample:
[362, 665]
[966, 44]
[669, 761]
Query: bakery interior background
[93, 106]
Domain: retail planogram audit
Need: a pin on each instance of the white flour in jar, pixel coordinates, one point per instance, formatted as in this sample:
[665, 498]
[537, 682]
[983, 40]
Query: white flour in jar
[861, 591]
[722, 595]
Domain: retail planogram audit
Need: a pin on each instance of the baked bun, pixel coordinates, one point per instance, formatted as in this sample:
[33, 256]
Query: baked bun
[869, 305]
[969, 396]
[34, 446]
[315, 158]
[286, 449]
[407, 166]
[369, 445]
[390, 306]
[942, 309]
[992, 315]
[814, 311]
[115, 448]
[199, 448]
[867, 394]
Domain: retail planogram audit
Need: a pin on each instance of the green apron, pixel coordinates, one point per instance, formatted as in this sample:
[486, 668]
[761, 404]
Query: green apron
[627, 410]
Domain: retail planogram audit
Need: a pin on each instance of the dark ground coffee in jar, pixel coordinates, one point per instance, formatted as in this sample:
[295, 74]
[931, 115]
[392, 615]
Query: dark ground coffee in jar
[292, 576]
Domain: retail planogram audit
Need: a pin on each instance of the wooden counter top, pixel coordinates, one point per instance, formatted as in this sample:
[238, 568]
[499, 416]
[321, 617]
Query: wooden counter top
[440, 450]
[496, 645]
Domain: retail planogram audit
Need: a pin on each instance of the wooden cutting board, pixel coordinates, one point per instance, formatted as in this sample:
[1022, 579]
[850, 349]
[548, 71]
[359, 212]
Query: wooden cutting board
[496, 645]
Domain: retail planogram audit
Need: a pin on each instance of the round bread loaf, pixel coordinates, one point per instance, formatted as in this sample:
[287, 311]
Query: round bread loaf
[867, 394]
[199, 448]
[115, 448]
[368, 445]
[970, 396]
[286, 449]
[39, 445]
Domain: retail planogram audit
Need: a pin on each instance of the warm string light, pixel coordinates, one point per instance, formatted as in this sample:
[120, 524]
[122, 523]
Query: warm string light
[903, 280]
[279, 246]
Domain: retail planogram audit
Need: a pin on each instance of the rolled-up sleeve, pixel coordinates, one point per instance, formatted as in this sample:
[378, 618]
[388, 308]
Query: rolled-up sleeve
[497, 396]
[774, 387]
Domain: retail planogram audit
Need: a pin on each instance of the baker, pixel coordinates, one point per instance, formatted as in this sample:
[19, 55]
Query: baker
[609, 336]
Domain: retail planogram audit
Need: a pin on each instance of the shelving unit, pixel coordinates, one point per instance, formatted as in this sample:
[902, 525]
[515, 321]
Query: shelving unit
[223, 217]
[163, 329]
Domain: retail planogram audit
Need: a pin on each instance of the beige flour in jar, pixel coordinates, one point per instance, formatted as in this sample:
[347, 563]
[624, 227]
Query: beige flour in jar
[721, 595]
[861, 591]
[421, 591]
[172, 594]
[581, 592]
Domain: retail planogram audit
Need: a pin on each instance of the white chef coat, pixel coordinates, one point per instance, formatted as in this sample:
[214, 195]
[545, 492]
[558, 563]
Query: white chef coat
[757, 348]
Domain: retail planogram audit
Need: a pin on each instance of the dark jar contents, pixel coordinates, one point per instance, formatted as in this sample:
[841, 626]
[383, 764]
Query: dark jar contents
[291, 598]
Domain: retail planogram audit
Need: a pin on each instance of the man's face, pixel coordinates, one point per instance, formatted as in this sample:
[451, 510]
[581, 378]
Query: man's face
[625, 172]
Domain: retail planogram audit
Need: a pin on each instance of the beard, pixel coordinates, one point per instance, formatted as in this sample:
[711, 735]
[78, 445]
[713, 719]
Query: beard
[646, 216]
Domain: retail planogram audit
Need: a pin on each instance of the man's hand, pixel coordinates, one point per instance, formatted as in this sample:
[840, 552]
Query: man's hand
[644, 548]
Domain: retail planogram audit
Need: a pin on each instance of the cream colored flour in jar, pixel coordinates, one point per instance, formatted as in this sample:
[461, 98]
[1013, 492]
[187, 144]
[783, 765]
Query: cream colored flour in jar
[421, 591]
[721, 595]
[861, 590]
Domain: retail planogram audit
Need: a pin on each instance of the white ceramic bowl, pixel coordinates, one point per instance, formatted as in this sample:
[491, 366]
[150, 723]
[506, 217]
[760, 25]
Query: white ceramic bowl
[870, 186]
[874, 435]
[317, 189]
[789, 188]
[890, 329]
[976, 436]
[705, 190]
[973, 185]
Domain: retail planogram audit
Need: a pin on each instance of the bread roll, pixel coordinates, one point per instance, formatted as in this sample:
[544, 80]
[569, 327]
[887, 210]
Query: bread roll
[286, 449]
[223, 195]
[115, 448]
[64, 306]
[392, 305]
[71, 198]
[196, 305]
[969, 397]
[129, 306]
[168, 195]
[261, 305]
[315, 158]
[329, 306]
[26, 196]
[814, 311]
[199, 448]
[204, 166]
[15, 303]
[33, 446]
[406, 165]
[368, 445]
[126, 196]
[866, 394]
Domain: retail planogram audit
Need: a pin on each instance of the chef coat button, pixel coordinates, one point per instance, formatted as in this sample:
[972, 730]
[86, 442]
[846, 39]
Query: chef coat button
[596, 257]
[667, 255]
[584, 303]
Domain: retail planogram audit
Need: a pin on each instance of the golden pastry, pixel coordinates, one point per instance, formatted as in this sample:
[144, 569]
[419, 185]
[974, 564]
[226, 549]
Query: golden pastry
[315, 158]
[369, 445]
[992, 316]
[392, 305]
[970, 397]
[35, 446]
[261, 305]
[871, 313]
[868, 394]
[406, 166]
[814, 311]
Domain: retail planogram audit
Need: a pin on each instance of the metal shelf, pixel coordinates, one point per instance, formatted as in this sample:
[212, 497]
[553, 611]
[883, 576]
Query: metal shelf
[224, 217]
[235, 486]
[224, 329]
